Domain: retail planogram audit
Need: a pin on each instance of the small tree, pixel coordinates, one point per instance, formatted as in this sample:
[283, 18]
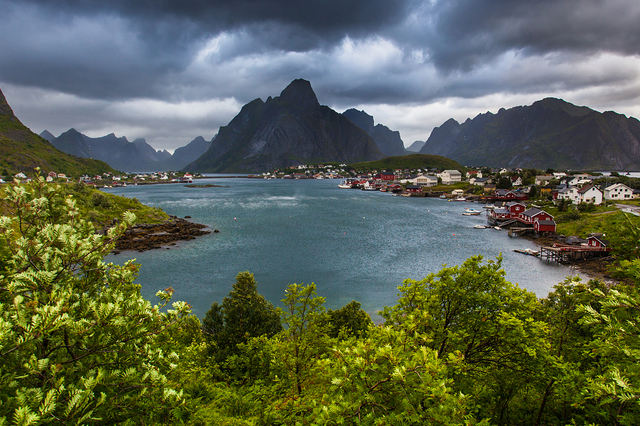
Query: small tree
[244, 313]
[350, 320]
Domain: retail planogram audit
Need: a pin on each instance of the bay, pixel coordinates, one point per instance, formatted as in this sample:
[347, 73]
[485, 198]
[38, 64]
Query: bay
[354, 245]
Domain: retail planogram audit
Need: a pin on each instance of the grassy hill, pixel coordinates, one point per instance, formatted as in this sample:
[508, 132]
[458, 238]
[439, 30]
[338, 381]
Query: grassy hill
[21, 150]
[411, 161]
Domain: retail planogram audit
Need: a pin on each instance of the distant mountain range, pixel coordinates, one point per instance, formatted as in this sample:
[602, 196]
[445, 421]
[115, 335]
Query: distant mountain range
[551, 133]
[21, 150]
[294, 129]
[119, 153]
[288, 130]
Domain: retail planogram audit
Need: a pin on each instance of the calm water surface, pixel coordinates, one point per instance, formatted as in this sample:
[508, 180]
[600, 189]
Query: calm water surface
[352, 244]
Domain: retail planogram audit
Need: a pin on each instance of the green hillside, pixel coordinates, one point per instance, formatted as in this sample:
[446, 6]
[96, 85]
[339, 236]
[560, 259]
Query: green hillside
[21, 150]
[412, 161]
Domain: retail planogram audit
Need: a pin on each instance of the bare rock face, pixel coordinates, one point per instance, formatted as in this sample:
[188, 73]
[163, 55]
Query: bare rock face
[551, 133]
[154, 236]
[387, 140]
[285, 131]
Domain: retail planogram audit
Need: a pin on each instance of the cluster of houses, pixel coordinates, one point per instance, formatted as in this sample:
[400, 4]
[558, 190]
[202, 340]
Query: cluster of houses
[581, 189]
[108, 179]
[515, 213]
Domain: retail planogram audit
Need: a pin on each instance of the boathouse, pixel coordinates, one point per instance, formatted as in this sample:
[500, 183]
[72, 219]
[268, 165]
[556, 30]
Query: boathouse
[596, 240]
[544, 225]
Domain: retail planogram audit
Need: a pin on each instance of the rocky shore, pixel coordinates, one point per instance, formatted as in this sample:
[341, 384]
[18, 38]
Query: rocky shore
[144, 237]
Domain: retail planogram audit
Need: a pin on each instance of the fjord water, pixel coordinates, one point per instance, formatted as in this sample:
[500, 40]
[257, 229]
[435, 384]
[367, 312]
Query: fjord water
[354, 245]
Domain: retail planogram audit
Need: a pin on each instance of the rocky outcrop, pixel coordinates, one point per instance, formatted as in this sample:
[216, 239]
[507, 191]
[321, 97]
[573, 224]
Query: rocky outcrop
[285, 131]
[154, 236]
[551, 133]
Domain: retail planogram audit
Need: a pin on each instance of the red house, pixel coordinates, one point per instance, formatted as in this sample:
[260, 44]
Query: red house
[597, 241]
[544, 225]
[387, 176]
[530, 216]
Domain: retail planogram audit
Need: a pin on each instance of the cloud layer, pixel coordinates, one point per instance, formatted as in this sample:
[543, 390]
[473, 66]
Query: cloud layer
[170, 70]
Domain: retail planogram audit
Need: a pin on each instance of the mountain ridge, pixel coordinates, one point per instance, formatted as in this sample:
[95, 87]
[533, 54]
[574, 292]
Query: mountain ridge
[135, 156]
[388, 141]
[550, 133]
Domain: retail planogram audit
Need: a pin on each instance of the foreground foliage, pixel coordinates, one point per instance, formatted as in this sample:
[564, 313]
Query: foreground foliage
[77, 341]
[463, 346]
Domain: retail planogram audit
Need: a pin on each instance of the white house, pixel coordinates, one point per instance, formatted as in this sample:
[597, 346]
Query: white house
[618, 191]
[426, 180]
[543, 180]
[20, 176]
[590, 194]
[450, 176]
[579, 181]
[569, 193]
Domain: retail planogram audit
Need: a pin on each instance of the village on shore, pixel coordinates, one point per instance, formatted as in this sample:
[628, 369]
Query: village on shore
[511, 198]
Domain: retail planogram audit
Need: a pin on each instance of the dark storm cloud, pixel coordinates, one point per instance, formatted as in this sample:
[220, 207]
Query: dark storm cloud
[469, 32]
[315, 16]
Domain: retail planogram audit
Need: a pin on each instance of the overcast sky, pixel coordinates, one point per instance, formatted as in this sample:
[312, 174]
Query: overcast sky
[169, 70]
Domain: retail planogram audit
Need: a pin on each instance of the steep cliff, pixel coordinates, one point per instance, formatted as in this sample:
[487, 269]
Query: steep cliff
[388, 141]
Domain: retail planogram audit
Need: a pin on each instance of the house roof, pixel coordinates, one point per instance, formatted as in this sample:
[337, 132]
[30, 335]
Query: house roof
[534, 211]
[602, 240]
[616, 185]
[547, 222]
[586, 188]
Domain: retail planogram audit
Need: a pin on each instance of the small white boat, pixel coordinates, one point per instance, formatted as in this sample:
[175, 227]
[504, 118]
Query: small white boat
[459, 198]
[471, 212]
[345, 184]
[481, 226]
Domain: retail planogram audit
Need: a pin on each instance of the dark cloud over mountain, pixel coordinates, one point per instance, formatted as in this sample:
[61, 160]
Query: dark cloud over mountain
[410, 63]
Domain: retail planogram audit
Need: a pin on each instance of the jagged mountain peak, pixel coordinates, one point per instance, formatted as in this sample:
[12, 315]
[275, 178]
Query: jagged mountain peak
[300, 93]
[288, 130]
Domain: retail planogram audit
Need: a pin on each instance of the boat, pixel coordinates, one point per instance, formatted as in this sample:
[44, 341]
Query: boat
[346, 184]
[443, 196]
[459, 198]
[481, 226]
[471, 212]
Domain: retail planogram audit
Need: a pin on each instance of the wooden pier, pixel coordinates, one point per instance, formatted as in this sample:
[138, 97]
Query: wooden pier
[518, 232]
[560, 253]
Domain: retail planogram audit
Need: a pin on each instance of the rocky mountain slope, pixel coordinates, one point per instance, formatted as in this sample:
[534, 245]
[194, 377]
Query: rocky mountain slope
[288, 130]
[21, 150]
[136, 156]
[551, 133]
[416, 146]
[387, 140]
